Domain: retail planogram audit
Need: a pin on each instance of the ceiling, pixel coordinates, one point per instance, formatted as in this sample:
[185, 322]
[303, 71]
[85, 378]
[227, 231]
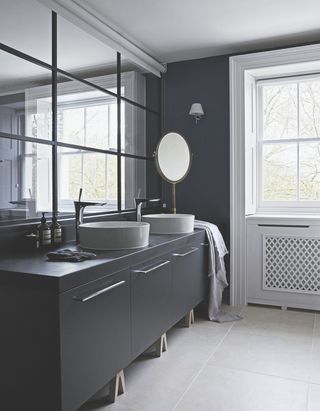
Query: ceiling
[168, 30]
[173, 30]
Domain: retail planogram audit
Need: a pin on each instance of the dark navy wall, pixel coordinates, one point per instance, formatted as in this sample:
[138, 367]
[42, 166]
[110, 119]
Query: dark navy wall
[205, 192]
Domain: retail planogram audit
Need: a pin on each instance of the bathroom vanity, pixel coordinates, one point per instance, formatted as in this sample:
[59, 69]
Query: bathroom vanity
[68, 328]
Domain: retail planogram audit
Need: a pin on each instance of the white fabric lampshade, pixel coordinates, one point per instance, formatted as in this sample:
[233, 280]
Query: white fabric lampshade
[196, 110]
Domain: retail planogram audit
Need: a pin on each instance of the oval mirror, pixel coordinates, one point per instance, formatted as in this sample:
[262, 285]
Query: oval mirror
[173, 161]
[173, 158]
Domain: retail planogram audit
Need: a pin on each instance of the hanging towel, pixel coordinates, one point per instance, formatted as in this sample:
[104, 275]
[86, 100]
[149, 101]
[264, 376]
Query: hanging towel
[217, 272]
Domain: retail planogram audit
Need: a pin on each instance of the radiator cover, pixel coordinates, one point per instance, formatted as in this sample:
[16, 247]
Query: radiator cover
[291, 264]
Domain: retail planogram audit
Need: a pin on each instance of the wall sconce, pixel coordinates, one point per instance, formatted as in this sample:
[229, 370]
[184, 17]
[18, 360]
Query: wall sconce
[196, 111]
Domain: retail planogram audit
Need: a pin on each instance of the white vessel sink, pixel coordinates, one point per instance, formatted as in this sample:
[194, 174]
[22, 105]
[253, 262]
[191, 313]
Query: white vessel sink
[170, 223]
[114, 235]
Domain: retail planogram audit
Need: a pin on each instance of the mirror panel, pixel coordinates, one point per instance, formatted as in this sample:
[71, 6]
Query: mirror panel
[139, 178]
[140, 86]
[25, 179]
[86, 116]
[26, 26]
[24, 110]
[98, 64]
[140, 130]
[95, 172]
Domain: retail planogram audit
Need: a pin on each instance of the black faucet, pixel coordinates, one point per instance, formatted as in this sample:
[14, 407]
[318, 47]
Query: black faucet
[79, 209]
[138, 203]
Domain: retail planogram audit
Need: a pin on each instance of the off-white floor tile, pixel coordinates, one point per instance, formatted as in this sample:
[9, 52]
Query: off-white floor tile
[103, 405]
[272, 321]
[317, 332]
[273, 355]
[202, 318]
[221, 389]
[314, 398]
[315, 368]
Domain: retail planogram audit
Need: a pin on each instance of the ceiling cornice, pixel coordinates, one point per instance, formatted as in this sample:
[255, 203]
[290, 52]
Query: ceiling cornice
[85, 17]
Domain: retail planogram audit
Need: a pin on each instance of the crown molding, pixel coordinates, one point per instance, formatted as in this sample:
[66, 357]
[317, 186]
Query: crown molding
[80, 14]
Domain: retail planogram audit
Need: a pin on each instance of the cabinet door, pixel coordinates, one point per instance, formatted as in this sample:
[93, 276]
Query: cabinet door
[151, 303]
[190, 278]
[95, 336]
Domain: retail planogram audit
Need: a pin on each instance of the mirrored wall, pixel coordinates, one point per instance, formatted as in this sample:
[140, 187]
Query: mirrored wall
[74, 113]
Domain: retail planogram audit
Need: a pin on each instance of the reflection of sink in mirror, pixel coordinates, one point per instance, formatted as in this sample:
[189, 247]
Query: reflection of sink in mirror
[170, 223]
[114, 235]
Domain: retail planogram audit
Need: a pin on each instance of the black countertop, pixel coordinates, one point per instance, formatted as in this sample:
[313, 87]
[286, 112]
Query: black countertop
[33, 268]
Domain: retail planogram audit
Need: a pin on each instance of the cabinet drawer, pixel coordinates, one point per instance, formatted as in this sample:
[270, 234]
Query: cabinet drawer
[95, 336]
[190, 278]
[151, 302]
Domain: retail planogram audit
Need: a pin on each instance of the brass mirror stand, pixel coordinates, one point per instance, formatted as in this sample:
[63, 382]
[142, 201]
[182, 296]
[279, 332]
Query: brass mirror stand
[174, 209]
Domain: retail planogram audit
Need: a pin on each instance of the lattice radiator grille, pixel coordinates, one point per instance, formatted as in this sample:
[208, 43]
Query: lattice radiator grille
[291, 264]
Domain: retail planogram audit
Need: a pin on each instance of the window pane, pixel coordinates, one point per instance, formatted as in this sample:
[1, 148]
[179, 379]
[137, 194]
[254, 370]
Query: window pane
[95, 173]
[310, 171]
[25, 98]
[25, 180]
[26, 26]
[310, 109]
[279, 172]
[139, 130]
[140, 86]
[86, 116]
[81, 54]
[280, 111]
[139, 178]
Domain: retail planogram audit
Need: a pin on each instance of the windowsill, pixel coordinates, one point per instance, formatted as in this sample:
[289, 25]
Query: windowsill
[284, 217]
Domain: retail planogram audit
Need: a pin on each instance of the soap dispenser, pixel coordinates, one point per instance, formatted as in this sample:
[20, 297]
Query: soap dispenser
[44, 232]
[56, 231]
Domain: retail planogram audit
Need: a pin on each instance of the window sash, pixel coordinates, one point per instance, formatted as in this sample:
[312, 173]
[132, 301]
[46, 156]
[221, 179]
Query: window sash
[281, 205]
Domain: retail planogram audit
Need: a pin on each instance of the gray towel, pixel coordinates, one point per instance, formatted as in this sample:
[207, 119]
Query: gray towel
[217, 273]
[70, 255]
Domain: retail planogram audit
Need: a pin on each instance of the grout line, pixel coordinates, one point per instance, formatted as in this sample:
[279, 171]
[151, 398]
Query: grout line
[260, 373]
[313, 334]
[311, 359]
[205, 364]
[312, 344]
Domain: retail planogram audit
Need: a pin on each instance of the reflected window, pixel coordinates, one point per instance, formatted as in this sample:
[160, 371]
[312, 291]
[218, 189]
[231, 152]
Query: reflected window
[25, 179]
[95, 173]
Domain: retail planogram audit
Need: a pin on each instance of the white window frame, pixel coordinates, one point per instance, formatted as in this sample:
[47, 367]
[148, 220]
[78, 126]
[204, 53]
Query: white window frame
[240, 66]
[265, 206]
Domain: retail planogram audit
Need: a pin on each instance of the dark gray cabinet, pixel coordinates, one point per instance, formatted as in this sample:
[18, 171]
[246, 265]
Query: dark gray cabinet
[189, 280]
[151, 296]
[60, 346]
[95, 336]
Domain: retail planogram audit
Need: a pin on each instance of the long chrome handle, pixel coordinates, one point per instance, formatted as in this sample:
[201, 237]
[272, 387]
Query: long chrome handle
[149, 270]
[204, 244]
[193, 250]
[103, 290]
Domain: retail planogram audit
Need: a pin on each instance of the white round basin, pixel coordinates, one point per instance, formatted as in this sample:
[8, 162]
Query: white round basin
[114, 235]
[170, 223]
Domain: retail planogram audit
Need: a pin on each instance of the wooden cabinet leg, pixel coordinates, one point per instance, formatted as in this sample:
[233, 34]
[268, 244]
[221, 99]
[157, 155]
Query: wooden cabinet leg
[189, 318]
[117, 386]
[161, 345]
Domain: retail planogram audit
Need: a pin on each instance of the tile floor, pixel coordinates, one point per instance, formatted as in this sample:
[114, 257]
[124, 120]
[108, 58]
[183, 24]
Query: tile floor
[269, 361]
